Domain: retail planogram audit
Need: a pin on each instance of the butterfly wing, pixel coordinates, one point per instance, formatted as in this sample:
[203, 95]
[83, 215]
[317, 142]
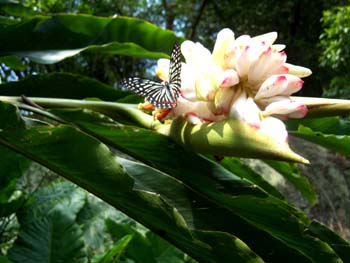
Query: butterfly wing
[175, 70]
[162, 96]
[156, 93]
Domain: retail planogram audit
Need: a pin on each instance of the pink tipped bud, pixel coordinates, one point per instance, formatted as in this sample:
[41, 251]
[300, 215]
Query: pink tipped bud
[279, 85]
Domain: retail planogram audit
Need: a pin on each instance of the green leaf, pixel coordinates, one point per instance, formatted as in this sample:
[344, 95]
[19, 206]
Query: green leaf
[148, 248]
[337, 143]
[139, 249]
[291, 173]
[337, 243]
[147, 207]
[198, 213]
[61, 139]
[13, 62]
[53, 238]
[274, 216]
[12, 166]
[232, 249]
[10, 119]
[236, 166]
[61, 85]
[116, 251]
[92, 218]
[7, 209]
[329, 132]
[327, 125]
[48, 231]
[4, 259]
[153, 203]
[57, 196]
[14, 8]
[51, 39]
[8, 1]
[163, 251]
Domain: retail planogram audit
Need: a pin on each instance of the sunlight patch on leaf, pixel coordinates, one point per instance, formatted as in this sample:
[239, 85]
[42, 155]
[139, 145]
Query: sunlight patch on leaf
[50, 56]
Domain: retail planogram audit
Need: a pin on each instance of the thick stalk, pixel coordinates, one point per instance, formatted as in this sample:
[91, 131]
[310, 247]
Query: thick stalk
[117, 111]
[323, 107]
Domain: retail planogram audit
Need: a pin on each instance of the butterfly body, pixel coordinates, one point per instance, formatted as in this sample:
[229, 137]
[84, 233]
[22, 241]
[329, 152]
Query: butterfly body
[169, 90]
[162, 95]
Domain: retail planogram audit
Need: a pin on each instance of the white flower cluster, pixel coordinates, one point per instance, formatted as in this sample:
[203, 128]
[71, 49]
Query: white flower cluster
[245, 78]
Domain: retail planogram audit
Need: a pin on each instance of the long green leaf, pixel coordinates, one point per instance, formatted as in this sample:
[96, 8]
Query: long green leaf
[92, 219]
[114, 254]
[337, 243]
[327, 125]
[33, 243]
[51, 39]
[49, 232]
[91, 165]
[329, 132]
[261, 210]
[62, 85]
[57, 196]
[145, 248]
[12, 166]
[14, 8]
[139, 249]
[337, 143]
[291, 173]
[236, 166]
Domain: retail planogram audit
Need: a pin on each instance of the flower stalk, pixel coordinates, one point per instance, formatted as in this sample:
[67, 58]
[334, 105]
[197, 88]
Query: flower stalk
[323, 107]
[128, 113]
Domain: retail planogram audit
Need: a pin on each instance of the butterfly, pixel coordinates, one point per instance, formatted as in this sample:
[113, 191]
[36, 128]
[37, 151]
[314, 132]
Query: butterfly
[162, 95]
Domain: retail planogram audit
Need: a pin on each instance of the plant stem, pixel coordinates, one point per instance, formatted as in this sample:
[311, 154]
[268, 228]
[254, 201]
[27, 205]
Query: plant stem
[323, 107]
[119, 111]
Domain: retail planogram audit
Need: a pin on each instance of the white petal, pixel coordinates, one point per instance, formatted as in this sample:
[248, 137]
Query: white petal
[243, 41]
[278, 47]
[199, 109]
[196, 54]
[259, 68]
[301, 112]
[268, 38]
[205, 87]
[275, 85]
[275, 128]
[285, 107]
[224, 43]
[224, 97]
[243, 63]
[299, 71]
[228, 78]
[246, 110]
[277, 64]
[162, 69]
[188, 82]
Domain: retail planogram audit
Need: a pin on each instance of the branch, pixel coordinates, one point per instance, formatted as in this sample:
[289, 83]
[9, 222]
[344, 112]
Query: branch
[169, 14]
[197, 19]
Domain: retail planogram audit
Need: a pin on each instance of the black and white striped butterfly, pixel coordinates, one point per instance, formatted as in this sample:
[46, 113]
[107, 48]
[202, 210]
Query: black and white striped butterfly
[162, 95]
